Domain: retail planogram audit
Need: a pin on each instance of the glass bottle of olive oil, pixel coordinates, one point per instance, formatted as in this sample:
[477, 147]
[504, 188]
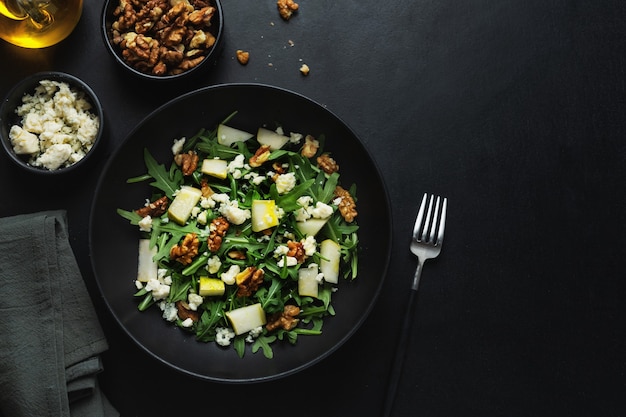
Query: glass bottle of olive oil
[38, 23]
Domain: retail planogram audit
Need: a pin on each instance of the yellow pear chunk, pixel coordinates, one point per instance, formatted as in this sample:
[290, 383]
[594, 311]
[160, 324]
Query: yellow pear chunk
[184, 202]
[147, 269]
[263, 215]
[217, 168]
[227, 135]
[211, 287]
[330, 252]
[244, 319]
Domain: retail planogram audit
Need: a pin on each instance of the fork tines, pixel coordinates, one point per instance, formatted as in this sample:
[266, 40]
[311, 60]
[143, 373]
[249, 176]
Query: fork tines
[430, 223]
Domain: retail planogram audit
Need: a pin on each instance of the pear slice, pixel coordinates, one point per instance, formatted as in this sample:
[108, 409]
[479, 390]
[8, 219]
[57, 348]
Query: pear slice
[147, 269]
[312, 226]
[330, 252]
[263, 215]
[270, 138]
[184, 202]
[217, 168]
[211, 287]
[307, 281]
[227, 135]
[244, 319]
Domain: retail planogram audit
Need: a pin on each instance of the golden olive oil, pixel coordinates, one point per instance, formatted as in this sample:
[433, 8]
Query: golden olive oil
[38, 23]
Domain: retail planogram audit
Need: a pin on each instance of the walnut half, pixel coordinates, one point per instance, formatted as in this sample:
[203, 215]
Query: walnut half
[347, 206]
[287, 319]
[327, 163]
[186, 250]
[188, 162]
[218, 229]
[248, 281]
[155, 208]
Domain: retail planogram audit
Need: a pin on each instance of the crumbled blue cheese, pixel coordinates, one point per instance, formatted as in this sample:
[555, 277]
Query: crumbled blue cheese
[57, 128]
[295, 138]
[254, 334]
[145, 224]
[177, 147]
[229, 276]
[223, 336]
[170, 312]
[236, 166]
[159, 289]
[233, 213]
[23, 141]
[285, 182]
[288, 260]
[213, 264]
[310, 245]
[194, 301]
[322, 211]
[306, 211]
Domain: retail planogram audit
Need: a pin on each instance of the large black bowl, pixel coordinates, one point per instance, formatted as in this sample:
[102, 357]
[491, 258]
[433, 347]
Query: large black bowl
[113, 242]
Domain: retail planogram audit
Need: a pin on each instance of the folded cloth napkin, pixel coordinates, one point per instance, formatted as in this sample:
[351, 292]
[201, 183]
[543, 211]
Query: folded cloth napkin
[50, 336]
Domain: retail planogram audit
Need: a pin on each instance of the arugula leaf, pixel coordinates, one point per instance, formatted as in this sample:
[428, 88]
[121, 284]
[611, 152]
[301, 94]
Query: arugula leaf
[131, 216]
[147, 301]
[288, 202]
[167, 181]
[210, 317]
[270, 299]
[263, 342]
[240, 345]
[328, 191]
[178, 289]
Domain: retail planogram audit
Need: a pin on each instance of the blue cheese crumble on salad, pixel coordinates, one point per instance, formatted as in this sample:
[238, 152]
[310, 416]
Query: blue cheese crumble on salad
[245, 236]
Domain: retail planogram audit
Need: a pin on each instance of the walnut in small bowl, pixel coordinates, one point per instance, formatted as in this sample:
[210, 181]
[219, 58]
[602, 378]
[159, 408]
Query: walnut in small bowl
[163, 39]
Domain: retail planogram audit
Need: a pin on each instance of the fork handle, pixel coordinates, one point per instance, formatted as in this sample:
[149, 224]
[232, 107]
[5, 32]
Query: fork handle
[416, 277]
[396, 370]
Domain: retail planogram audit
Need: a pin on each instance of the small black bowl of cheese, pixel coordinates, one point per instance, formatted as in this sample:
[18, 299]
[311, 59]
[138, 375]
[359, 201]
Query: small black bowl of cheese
[50, 123]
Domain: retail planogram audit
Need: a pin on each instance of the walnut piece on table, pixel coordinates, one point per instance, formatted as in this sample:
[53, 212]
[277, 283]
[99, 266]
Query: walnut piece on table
[286, 8]
[243, 56]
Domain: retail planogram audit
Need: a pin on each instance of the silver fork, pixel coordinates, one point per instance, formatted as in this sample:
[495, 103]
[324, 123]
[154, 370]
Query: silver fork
[425, 244]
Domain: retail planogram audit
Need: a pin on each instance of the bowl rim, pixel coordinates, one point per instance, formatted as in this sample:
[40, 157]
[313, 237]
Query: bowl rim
[28, 85]
[144, 75]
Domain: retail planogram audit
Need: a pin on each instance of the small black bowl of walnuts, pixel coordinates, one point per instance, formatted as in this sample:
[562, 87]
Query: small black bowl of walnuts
[163, 39]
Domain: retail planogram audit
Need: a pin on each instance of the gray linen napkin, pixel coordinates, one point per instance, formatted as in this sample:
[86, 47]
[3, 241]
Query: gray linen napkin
[50, 336]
